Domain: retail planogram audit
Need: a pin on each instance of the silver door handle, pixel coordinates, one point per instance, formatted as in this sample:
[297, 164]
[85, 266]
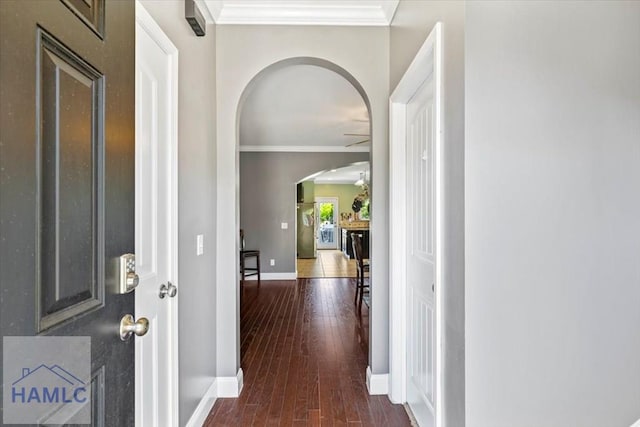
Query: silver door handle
[129, 326]
[168, 290]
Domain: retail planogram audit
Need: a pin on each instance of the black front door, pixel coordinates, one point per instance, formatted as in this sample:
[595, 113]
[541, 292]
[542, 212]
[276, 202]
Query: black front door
[67, 182]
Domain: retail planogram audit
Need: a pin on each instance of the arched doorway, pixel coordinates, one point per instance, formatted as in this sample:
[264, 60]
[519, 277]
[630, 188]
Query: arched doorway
[268, 161]
[233, 89]
[295, 118]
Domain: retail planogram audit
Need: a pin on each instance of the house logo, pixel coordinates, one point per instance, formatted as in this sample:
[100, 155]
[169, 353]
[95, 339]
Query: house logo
[47, 380]
[48, 384]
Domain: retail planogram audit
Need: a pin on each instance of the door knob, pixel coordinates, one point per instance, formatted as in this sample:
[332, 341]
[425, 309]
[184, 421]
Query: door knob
[129, 326]
[168, 290]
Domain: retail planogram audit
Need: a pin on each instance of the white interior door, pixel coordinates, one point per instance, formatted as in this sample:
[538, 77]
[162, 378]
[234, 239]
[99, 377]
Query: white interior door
[421, 255]
[327, 220]
[156, 224]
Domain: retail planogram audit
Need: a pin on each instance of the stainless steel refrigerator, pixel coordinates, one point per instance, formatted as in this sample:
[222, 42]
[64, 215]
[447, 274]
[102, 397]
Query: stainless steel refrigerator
[306, 229]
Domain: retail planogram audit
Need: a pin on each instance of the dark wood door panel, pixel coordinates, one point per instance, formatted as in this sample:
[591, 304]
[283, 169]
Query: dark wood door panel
[70, 116]
[91, 12]
[67, 181]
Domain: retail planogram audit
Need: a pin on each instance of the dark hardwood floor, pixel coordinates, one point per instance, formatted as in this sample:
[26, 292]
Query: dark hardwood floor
[304, 356]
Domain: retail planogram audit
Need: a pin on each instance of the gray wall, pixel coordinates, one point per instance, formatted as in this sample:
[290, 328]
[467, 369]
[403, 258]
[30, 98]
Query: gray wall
[196, 200]
[268, 198]
[411, 25]
[553, 213]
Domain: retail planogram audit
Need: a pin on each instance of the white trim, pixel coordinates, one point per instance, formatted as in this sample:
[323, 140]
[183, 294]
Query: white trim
[255, 12]
[397, 257]
[231, 386]
[303, 149]
[377, 383]
[273, 276]
[428, 60]
[636, 424]
[146, 21]
[203, 409]
[208, 10]
[336, 217]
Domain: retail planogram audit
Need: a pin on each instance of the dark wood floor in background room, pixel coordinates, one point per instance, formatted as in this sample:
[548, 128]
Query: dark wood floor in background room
[304, 356]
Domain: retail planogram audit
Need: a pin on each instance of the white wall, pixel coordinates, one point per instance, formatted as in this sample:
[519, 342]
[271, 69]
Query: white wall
[552, 213]
[244, 51]
[196, 204]
[412, 23]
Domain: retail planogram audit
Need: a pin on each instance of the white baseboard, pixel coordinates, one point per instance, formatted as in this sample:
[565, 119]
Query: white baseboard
[303, 148]
[377, 383]
[636, 424]
[204, 407]
[230, 386]
[274, 276]
[220, 387]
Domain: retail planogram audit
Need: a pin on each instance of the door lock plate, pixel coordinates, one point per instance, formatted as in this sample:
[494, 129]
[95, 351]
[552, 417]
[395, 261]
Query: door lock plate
[128, 279]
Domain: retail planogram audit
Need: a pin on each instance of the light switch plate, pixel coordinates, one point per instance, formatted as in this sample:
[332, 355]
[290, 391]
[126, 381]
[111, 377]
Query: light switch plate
[284, 225]
[200, 244]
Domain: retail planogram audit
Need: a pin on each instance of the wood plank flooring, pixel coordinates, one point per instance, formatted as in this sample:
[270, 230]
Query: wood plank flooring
[304, 356]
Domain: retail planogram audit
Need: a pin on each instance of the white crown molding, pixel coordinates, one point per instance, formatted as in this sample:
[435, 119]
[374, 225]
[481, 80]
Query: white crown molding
[300, 12]
[303, 149]
[389, 9]
[208, 8]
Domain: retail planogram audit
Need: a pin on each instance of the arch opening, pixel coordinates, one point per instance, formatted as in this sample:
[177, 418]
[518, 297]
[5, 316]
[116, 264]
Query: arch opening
[257, 156]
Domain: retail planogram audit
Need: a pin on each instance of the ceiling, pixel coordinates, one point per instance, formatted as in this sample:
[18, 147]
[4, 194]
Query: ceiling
[303, 108]
[299, 12]
[346, 175]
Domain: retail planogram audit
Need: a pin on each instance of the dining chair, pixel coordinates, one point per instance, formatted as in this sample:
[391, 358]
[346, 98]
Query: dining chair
[362, 267]
[247, 254]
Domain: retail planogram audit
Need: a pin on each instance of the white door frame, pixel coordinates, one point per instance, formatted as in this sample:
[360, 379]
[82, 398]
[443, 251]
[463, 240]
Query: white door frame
[144, 19]
[428, 61]
[336, 218]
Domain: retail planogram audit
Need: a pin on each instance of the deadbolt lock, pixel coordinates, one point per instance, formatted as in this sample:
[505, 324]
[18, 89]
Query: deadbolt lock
[127, 277]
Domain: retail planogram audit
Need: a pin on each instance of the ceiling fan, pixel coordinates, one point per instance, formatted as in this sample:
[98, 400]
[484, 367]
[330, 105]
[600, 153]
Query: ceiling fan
[358, 142]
